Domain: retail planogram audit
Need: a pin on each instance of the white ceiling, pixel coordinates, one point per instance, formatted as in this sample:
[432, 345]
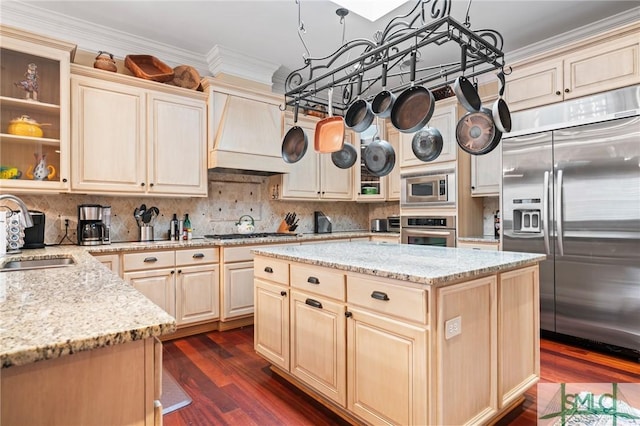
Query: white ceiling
[267, 30]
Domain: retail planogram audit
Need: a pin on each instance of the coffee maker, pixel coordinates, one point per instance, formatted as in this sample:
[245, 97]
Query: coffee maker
[92, 229]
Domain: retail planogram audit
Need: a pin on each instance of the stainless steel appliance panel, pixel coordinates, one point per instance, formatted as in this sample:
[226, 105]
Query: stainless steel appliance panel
[428, 230]
[434, 188]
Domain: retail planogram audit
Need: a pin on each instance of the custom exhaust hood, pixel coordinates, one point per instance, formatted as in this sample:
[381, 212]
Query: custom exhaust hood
[245, 128]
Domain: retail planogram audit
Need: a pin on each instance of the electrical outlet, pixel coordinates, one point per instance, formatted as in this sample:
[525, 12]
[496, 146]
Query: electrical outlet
[62, 222]
[452, 328]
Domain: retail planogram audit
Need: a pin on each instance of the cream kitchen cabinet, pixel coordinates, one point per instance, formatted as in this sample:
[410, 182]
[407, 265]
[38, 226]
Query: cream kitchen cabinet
[111, 261]
[130, 136]
[477, 245]
[486, 173]
[364, 180]
[393, 178]
[444, 119]
[315, 176]
[590, 67]
[185, 283]
[50, 60]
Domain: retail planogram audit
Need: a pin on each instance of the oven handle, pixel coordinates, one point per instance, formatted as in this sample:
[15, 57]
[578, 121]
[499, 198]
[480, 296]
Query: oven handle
[443, 233]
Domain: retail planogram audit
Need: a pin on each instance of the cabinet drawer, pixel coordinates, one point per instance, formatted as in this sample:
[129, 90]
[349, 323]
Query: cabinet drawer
[271, 269]
[237, 254]
[197, 256]
[318, 280]
[148, 260]
[478, 246]
[398, 301]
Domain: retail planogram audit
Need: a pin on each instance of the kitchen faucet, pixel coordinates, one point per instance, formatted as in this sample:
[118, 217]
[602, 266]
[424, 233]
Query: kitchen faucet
[28, 223]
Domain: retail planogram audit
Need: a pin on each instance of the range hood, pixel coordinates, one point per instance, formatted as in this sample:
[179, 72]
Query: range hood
[245, 130]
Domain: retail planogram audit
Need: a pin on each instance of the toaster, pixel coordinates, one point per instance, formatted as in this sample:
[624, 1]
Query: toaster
[321, 223]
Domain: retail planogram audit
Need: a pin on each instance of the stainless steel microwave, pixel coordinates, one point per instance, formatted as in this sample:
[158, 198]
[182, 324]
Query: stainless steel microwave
[426, 189]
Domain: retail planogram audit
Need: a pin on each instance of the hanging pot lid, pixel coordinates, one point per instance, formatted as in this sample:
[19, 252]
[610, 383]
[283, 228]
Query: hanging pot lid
[295, 142]
[379, 158]
[427, 144]
[346, 157]
[476, 132]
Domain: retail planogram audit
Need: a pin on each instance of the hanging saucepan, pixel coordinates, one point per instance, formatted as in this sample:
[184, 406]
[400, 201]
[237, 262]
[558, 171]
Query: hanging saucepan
[383, 101]
[414, 107]
[427, 144]
[379, 157]
[295, 142]
[359, 115]
[476, 132]
[329, 136]
[500, 110]
[465, 91]
[346, 157]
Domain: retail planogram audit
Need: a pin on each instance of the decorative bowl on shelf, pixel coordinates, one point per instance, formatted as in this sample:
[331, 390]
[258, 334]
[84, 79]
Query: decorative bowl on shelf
[25, 126]
[149, 68]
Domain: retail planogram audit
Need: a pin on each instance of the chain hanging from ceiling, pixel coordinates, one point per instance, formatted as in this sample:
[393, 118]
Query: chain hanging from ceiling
[475, 52]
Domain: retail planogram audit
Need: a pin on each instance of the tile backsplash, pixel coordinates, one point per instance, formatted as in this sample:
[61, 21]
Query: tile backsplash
[230, 197]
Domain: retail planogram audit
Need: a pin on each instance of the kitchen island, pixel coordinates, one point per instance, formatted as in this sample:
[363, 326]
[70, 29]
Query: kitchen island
[401, 334]
[77, 344]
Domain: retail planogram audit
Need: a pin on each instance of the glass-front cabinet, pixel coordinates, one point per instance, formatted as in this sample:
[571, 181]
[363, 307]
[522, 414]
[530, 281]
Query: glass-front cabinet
[369, 187]
[34, 112]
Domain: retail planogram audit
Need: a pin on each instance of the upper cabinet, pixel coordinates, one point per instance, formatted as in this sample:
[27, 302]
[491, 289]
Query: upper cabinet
[368, 186]
[444, 119]
[131, 136]
[315, 176]
[592, 67]
[245, 126]
[34, 112]
[393, 178]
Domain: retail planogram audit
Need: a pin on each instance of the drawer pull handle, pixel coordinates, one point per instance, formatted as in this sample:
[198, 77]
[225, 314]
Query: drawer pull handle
[313, 280]
[150, 259]
[198, 255]
[379, 295]
[283, 293]
[313, 303]
[268, 269]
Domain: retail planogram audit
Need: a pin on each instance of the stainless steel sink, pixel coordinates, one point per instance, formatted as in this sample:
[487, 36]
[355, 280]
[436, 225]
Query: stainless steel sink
[27, 264]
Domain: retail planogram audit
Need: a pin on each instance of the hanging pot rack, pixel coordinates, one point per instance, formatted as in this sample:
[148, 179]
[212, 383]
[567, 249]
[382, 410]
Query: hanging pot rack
[480, 52]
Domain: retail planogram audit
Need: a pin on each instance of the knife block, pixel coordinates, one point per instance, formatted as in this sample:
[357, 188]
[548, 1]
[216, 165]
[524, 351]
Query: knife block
[283, 228]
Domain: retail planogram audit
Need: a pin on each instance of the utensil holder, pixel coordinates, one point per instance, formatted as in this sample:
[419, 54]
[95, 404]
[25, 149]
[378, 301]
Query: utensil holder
[146, 233]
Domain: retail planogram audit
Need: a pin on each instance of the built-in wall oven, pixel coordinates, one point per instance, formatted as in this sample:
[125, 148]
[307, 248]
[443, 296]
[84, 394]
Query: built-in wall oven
[429, 230]
[428, 189]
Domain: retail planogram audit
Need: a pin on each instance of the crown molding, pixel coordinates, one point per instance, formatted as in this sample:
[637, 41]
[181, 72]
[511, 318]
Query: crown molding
[223, 60]
[610, 23]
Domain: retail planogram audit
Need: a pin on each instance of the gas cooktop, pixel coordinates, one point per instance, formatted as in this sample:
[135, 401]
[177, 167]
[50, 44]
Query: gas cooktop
[254, 235]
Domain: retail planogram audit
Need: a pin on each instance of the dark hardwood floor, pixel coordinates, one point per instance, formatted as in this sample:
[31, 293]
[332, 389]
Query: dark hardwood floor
[231, 385]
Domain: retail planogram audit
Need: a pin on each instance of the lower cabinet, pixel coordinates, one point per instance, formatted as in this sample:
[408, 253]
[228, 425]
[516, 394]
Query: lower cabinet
[185, 283]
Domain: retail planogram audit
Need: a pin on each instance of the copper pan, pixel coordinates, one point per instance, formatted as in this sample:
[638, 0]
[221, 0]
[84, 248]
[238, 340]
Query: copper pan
[329, 135]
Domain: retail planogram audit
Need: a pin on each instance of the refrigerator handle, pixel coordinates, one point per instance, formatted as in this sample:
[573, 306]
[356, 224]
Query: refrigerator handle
[545, 213]
[559, 214]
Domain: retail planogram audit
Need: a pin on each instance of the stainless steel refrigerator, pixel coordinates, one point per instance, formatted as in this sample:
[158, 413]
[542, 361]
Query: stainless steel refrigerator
[571, 190]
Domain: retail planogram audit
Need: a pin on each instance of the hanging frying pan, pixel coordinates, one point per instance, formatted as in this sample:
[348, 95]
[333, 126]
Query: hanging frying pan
[359, 115]
[329, 135]
[295, 142]
[346, 157]
[500, 110]
[465, 92]
[414, 107]
[379, 157]
[476, 132]
[383, 101]
[427, 144]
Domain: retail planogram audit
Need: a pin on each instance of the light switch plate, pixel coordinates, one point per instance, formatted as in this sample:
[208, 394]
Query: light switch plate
[452, 328]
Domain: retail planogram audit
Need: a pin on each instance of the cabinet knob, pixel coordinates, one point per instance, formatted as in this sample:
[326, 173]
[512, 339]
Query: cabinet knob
[558, 93]
[173, 272]
[566, 90]
[348, 314]
[179, 271]
[283, 293]
[151, 184]
[473, 187]
[64, 180]
[318, 192]
[142, 184]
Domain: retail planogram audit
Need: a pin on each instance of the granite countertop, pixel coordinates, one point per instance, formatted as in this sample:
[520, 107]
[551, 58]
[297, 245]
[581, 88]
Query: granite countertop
[428, 265]
[49, 313]
[480, 239]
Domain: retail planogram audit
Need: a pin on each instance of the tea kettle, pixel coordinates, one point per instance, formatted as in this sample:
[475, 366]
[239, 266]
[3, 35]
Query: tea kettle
[105, 61]
[245, 225]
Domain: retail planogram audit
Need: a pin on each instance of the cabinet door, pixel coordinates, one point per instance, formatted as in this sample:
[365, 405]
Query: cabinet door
[197, 289]
[533, 85]
[271, 332]
[157, 285]
[376, 393]
[335, 183]
[393, 178]
[601, 67]
[303, 178]
[237, 291]
[364, 180]
[108, 136]
[111, 261]
[51, 59]
[177, 145]
[486, 173]
[318, 351]
[444, 119]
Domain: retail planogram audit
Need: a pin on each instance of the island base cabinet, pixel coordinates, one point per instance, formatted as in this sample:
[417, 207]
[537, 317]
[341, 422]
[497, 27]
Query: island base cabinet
[108, 386]
[318, 344]
[386, 370]
[157, 285]
[271, 332]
